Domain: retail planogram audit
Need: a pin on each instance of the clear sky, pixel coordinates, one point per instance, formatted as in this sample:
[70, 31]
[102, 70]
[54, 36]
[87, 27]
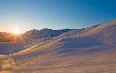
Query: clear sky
[55, 14]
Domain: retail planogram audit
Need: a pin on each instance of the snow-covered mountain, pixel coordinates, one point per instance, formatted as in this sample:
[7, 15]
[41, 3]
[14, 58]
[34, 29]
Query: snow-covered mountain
[89, 50]
[12, 45]
[43, 33]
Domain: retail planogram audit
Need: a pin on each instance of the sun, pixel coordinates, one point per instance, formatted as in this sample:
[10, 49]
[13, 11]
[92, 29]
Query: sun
[16, 31]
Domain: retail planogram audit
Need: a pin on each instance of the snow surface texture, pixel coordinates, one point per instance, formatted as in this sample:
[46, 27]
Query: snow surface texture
[89, 50]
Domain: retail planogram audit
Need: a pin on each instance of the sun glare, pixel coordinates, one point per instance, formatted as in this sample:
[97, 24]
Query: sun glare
[16, 31]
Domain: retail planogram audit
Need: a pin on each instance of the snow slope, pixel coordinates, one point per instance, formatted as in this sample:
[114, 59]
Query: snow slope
[10, 47]
[28, 39]
[90, 50]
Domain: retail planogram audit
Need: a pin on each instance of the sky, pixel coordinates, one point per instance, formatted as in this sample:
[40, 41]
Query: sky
[54, 14]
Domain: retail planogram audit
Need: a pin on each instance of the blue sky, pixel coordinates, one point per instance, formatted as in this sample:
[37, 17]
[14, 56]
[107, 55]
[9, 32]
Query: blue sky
[55, 14]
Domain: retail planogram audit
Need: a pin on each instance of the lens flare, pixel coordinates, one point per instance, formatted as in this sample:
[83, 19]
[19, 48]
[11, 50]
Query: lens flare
[16, 31]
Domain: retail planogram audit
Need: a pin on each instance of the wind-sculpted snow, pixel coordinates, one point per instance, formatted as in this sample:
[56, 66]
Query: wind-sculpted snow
[88, 50]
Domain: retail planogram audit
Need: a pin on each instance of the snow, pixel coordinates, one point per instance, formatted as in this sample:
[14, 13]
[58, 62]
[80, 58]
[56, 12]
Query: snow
[89, 50]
